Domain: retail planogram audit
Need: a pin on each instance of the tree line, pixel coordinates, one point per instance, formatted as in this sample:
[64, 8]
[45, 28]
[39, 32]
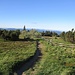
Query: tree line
[49, 33]
[15, 34]
[30, 34]
[10, 35]
[68, 36]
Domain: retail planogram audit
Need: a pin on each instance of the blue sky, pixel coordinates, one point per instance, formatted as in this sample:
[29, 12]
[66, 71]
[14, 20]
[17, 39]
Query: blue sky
[42, 14]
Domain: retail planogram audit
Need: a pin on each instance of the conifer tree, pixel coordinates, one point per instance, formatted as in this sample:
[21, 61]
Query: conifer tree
[24, 28]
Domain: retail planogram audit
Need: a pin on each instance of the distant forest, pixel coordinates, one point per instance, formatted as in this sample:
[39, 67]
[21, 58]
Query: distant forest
[25, 34]
[28, 34]
[68, 36]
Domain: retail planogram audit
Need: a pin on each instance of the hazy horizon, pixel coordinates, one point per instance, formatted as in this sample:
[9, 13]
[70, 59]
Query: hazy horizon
[38, 14]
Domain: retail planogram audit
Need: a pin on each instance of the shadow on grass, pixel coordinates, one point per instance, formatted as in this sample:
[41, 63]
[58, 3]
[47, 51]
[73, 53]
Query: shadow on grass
[22, 66]
[1, 73]
[26, 39]
[18, 65]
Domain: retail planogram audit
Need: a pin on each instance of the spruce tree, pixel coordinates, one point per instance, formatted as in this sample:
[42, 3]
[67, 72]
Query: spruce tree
[24, 28]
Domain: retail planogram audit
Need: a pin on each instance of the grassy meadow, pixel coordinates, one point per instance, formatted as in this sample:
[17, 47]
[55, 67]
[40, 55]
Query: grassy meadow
[13, 52]
[58, 58]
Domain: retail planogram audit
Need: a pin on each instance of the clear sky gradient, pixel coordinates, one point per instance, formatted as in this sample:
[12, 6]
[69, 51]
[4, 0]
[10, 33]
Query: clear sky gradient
[40, 14]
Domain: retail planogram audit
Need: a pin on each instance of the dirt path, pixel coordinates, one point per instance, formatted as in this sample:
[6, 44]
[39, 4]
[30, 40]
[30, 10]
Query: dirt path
[30, 63]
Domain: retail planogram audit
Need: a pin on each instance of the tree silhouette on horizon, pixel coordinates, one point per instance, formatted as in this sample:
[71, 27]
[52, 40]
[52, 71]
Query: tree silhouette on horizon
[24, 28]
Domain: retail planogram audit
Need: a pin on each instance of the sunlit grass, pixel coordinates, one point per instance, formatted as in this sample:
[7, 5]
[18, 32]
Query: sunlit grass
[14, 52]
[56, 59]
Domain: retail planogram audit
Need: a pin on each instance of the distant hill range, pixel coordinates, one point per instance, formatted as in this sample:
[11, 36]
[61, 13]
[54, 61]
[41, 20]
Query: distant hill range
[39, 30]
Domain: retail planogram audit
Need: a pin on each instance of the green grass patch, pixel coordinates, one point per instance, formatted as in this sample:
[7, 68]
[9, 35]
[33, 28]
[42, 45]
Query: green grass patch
[58, 58]
[14, 52]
